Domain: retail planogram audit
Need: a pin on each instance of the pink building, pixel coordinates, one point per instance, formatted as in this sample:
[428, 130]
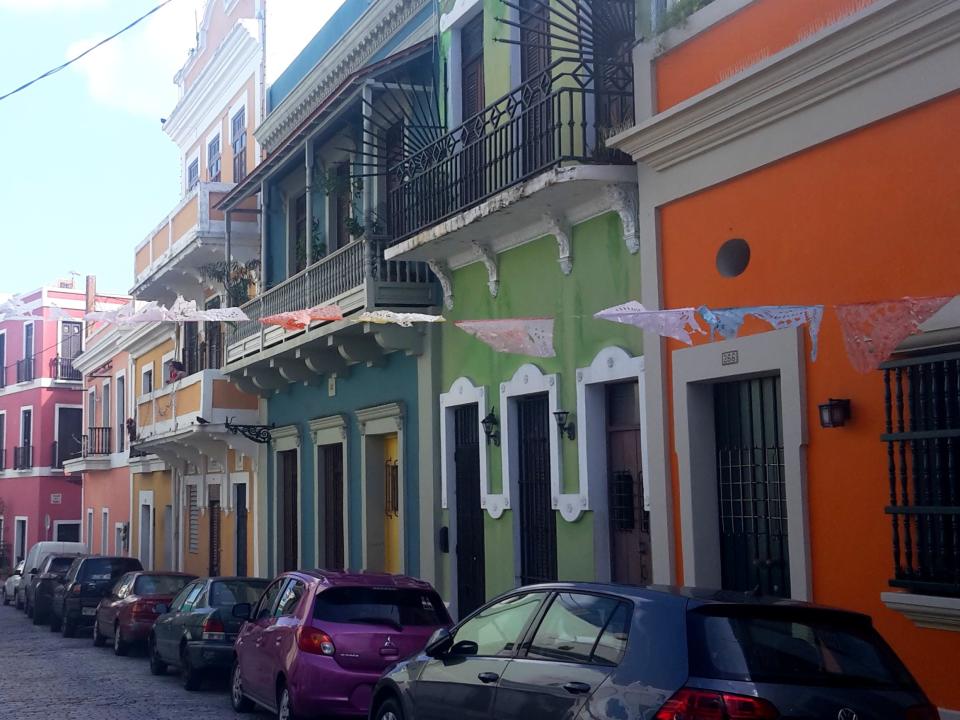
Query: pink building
[41, 418]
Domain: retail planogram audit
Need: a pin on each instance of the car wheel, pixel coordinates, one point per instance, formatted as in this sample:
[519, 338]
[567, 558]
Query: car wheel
[157, 666]
[284, 705]
[28, 608]
[389, 710]
[119, 646]
[240, 702]
[191, 676]
[54, 623]
[38, 617]
[98, 639]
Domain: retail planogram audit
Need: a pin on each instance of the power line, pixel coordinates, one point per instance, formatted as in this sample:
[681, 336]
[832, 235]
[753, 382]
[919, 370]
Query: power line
[86, 52]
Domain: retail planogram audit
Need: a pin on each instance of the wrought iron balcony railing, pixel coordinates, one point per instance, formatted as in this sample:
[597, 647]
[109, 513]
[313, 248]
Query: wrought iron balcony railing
[357, 267]
[3, 458]
[62, 368]
[61, 452]
[922, 434]
[97, 441]
[563, 116]
[26, 370]
[23, 457]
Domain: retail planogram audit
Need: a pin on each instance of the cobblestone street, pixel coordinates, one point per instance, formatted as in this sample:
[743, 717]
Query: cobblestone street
[43, 675]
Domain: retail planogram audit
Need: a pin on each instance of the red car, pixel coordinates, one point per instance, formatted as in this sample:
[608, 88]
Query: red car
[128, 613]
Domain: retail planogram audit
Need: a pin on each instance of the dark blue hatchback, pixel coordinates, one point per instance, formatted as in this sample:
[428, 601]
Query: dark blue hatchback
[586, 651]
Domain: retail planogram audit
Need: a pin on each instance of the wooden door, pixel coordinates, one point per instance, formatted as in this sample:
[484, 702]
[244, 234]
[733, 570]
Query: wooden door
[471, 576]
[538, 520]
[289, 525]
[473, 97]
[538, 142]
[392, 559]
[331, 460]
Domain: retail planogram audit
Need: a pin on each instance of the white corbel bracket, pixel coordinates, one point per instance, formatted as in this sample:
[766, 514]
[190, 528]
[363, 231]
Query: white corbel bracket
[489, 261]
[442, 271]
[623, 201]
[560, 229]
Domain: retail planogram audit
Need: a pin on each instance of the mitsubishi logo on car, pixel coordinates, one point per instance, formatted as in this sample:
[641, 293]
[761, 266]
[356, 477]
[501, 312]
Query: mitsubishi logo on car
[847, 714]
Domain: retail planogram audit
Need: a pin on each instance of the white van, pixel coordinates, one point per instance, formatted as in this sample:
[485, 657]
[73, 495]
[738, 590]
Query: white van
[36, 555]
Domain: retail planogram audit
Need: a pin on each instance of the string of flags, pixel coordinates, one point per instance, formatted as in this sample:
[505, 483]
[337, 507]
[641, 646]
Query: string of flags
[15, 309]
[151, 312]
[301, 319]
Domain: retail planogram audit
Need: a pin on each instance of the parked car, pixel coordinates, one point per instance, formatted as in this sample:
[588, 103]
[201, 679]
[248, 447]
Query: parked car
[31, 563]
[8, 590]
[579, 650]
[197, 632]
[317, 641]
[38, 595]
[128, 613]
[88, 580]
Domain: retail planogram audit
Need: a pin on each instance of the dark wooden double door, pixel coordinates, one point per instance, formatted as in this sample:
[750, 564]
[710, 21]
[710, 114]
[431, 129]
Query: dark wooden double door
[469, 547]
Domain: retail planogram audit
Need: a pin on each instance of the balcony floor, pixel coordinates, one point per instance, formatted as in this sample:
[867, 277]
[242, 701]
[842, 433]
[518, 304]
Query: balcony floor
[516, 216]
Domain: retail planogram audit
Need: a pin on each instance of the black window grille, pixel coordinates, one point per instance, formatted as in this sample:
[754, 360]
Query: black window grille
[922, 434]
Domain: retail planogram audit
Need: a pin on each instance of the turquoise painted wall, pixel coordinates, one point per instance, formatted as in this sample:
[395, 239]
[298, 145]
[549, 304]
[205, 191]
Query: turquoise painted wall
[531, 284]
[365, 387]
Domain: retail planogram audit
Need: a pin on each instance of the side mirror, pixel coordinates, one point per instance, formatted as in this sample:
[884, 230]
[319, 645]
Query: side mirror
[465, 647]
[34, 571]
[242, 611]
[18, 572]
[439, 643]
[161, 609]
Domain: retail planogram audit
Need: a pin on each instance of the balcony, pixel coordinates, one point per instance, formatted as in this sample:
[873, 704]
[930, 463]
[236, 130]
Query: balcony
[97, 441]
[62, 369]
[170, 259]
[23, 457]
[64, 452]
[548, 132]
[355, 277]
[93, 452]
[26, 370]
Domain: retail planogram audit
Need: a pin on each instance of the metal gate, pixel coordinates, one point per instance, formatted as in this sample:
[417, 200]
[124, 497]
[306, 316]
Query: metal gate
[241, 529]
[214, 507]
[751, 489]
[538, 521]
[471, 582]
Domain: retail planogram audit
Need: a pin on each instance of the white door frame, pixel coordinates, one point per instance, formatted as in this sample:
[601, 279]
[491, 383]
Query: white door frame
[331, 430]
[375, 422]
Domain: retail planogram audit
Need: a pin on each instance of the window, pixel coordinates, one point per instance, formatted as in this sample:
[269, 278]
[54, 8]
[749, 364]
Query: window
[181, 598]
[3, 359]
[922, 411]
[290, 598]
[269, 598]
[121, 414]
[3, 452]
[191, 600]
[104, 532]
[400, 607]
[26, 428]
[238, 134]
[300, 233]
[213, 160]
[342, 204]
[146, 381]
[496, 630]
[92, 407]
[88, 538]
[159, 584]
[193, 519]
[105, 406]
[572, 628]
[107, 568]
[193, 174]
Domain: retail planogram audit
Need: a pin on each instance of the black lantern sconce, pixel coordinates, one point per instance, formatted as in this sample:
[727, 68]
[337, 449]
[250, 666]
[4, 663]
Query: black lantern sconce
[491, 428]
[834, 413]
[565, 427]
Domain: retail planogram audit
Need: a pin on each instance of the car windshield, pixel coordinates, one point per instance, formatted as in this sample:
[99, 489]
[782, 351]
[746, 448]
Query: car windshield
[160, 584]
[227, 593]
[791, 646]
[60, 564]
[96, 569]
[394, 607]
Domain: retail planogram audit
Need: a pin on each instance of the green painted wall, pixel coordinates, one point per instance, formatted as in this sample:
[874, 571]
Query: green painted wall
[531, 284]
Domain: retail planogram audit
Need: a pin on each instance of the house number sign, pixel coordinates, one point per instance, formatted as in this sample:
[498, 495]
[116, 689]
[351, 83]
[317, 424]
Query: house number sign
[730, 357]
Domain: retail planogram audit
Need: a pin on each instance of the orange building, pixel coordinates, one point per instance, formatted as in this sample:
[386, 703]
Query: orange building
[821, 138]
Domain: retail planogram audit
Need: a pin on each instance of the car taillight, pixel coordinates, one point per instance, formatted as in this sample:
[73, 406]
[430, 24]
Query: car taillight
[76, 588]
[695, 704]
[143, 610]
[923, 712]
[314, 641]
[212, 629]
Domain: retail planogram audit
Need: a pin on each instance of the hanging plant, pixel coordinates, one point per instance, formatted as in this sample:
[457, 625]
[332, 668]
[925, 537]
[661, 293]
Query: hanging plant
[235, 278]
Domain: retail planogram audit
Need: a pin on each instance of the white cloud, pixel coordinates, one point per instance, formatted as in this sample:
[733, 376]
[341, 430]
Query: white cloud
[47, 5]
[134, 72]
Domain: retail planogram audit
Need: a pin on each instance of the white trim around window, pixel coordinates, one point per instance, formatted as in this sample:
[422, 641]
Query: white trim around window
[462, 392]
[188, 161]
[20, 436]
[23, 338]
[60, 323]
[375, 423]
[88, 531]
[147, 368]
[121, 403]
[26, 537]
[285, 439]
[104, 531]
[328, 431]
[241, 103]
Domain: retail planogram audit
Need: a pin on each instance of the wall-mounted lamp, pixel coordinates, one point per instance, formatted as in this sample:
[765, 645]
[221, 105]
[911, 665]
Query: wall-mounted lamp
[834, 413]
[565, 427]
[491, 428]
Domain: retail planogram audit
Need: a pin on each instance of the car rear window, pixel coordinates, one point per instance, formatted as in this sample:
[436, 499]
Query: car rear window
[227, 593]
[791, 646]
[60, 564]
[395, 607]
[159, 584]
[107, 568]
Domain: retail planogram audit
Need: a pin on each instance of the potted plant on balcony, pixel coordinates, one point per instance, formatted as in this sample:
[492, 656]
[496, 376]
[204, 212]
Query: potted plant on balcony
[235, 279]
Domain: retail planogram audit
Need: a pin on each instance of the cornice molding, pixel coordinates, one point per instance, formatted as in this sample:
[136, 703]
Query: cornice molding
[365, 37]
[146, 338]
[872, 42]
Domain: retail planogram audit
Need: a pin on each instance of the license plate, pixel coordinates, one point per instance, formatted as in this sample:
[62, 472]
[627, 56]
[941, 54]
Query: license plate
[89, 611]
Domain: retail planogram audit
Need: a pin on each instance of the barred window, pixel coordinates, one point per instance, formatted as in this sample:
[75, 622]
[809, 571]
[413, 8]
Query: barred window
[193, 530]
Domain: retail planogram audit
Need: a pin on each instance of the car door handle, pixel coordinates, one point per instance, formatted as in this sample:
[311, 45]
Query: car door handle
[488, 677]
[576, 688]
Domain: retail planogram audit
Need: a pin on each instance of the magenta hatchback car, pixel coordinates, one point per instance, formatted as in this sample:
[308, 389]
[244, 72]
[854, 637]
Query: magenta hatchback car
[318, 640]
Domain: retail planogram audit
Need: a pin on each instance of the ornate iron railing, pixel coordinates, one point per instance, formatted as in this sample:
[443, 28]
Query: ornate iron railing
[563, 116]
[26, 370]
[97, 441]
[62, 368]
[922, 434]
[23, 457]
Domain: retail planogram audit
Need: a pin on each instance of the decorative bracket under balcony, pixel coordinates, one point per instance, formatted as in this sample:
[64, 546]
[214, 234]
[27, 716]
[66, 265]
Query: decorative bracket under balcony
[489, 261]
[257, 433]
[442, 271]
[624, 203]
[560, 229]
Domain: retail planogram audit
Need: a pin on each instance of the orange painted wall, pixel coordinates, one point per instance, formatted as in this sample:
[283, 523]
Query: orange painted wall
[142, 259]
[763, 28]
[185, 219]
[228, 395]
[222, 124]
[837, 224]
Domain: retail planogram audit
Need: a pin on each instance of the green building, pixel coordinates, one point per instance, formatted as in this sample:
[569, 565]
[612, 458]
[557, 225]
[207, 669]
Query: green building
[523, 212]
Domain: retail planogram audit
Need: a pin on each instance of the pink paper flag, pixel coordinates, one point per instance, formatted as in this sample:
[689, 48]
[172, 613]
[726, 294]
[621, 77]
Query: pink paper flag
[676, 324]
[521, 336]
[872, 331]
[299, 319]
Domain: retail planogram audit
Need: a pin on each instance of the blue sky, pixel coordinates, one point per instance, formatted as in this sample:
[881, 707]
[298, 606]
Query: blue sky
[86, 171]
